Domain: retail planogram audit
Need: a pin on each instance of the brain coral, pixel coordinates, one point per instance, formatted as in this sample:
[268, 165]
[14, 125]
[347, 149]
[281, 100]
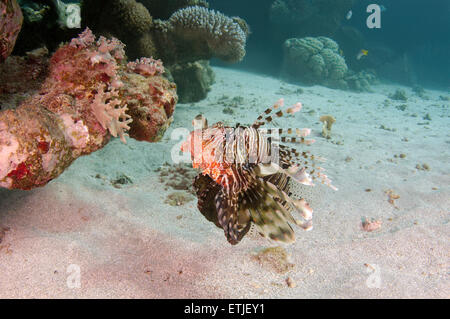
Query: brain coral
[315, 61]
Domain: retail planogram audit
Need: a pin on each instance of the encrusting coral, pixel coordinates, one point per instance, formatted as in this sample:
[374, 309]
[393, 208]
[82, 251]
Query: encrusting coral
[89, 95]
[11, 19]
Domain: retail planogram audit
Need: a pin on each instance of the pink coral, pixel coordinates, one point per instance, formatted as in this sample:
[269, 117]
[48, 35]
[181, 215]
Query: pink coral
[88, 96]
[146, 66]
[90, 69]
[109, 112]
[85, 39]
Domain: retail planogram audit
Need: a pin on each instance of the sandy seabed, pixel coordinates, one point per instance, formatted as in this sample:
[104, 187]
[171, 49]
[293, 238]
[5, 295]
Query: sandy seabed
[127, 241]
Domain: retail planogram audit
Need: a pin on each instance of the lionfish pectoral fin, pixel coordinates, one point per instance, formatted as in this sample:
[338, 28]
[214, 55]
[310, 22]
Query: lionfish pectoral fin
[267, 169]
[295, 172]
[275, 193]
[299, 175]
[306, 225]
[230, 217]
[303, 207]
[270, 217]
[206, 189]
[300, 205]
[273, 225]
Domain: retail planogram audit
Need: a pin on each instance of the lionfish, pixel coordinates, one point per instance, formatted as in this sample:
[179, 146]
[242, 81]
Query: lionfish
[245, 176]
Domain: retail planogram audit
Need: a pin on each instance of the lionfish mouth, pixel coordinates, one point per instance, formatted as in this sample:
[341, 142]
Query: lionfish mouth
[246, 173]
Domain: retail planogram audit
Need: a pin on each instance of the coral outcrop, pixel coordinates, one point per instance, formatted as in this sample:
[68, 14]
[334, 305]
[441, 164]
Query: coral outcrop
[11, 19]
[193, 79]
[190, 33]
[315, 61]
[318, 61]
[90, 94]
[179, 32]
[361, 81]
[207, 32]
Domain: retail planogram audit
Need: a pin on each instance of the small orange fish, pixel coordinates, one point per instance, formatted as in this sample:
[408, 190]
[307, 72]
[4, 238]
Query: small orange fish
[361, 54]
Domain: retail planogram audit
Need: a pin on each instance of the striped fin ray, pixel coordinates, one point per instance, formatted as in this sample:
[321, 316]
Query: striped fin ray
[300, 205]
[234, 221]
[266, 117]
[206, 189]
[308, 161]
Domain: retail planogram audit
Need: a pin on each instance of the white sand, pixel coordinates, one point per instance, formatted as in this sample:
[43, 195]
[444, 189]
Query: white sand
[129, 244]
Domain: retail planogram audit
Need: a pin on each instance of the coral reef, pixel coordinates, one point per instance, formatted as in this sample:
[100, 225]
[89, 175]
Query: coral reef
[10, 23]
[89, 95]
[315, 61]
[188, 34]
[193, 79]
[179, 32]
[123, 19]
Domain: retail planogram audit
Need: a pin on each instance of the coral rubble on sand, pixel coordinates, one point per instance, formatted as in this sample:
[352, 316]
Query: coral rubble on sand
[89, 95]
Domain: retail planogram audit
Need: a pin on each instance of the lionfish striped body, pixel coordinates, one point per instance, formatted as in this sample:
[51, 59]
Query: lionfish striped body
[245, 177]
